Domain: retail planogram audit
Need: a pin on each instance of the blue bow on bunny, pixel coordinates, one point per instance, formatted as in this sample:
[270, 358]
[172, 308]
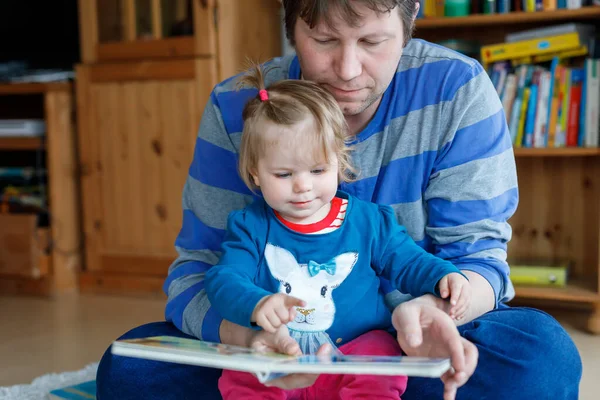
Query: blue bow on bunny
[314, 267]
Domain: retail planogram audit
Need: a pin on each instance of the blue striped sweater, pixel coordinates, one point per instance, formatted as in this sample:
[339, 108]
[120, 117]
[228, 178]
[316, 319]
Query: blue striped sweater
[437, 151]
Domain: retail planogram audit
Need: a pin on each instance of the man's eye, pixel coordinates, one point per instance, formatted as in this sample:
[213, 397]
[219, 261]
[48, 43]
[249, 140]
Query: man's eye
[284, 175]
[324, 41]
[371, 44]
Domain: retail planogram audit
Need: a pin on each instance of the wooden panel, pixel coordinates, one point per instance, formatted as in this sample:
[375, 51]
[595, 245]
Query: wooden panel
[10, 286]
[64, 202]
[558, 214]
[249, 29]
[156, 19]
[146, 133]
[582, 291]
[146, 49]
[181, 114]
[18, 245]
[21, 143]
[88, 29]
[33, 88]
[129, 19]
[137, 264]
[131, 285]
[90, 168]
[205, 37]
[146, 70]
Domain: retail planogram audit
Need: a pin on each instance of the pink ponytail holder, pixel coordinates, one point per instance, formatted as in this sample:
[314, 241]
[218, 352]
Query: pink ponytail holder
[264, 96]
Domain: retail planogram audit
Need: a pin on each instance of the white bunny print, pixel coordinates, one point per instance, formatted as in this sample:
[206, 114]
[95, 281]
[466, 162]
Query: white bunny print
[312, 282]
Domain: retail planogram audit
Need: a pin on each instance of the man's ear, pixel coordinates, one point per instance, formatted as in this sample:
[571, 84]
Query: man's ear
[417, 7]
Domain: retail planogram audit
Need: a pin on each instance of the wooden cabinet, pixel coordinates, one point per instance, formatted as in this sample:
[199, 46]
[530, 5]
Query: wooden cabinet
[34, 260]
[140, 95]
[559, 207]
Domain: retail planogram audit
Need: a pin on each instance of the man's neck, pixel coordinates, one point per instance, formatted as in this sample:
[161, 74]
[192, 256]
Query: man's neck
[356, 123]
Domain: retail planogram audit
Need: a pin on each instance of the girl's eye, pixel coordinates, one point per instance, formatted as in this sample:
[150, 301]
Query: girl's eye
[284, 175]
[317, 171]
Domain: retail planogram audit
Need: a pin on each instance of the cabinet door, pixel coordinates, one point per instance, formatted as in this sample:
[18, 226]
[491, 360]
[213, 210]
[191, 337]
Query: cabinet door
[114, 30]
[249, 29]
[137, 131]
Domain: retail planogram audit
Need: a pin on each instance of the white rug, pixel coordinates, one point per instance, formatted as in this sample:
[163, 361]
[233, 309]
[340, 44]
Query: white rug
[41, 386]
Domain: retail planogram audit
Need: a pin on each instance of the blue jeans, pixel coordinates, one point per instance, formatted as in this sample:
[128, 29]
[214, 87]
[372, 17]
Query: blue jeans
[523, 354]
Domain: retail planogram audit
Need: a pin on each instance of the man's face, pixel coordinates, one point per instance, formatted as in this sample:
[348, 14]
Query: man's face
[354, 63]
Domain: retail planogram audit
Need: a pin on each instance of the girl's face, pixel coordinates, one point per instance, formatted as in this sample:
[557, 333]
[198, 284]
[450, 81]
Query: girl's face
[292, 180]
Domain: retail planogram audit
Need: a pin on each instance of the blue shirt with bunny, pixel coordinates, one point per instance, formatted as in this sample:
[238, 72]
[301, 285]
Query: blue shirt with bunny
[335, 273]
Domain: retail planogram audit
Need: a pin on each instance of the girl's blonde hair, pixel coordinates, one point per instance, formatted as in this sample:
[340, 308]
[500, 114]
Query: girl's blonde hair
[290, 102]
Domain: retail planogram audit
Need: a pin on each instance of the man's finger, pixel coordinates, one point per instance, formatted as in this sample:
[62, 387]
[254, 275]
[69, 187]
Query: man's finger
[453, 342]
[408, 326]
[471, 357]
[449, 391]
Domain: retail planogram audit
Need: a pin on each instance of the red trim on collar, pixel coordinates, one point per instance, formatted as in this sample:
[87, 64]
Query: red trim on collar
[326, 222]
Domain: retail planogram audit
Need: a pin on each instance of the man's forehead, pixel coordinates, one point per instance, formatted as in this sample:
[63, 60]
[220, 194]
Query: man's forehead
[364, 19]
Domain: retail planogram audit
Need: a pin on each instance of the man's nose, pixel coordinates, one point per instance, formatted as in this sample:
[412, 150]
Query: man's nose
[348, 63]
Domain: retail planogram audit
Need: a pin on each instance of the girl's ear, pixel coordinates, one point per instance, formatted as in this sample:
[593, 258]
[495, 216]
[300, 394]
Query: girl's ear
[254, 175]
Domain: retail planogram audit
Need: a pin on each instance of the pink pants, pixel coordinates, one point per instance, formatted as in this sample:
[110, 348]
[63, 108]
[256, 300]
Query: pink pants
[245, 386]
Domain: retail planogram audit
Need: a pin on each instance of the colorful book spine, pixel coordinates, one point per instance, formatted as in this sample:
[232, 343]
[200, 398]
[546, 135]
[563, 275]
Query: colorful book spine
[523, 117]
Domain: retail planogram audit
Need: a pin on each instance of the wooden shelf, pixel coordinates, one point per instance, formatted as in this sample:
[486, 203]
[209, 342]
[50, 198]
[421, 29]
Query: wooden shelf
[574, 292]
[18, 143]
[560, 152]
[591, 12]
[33, 88]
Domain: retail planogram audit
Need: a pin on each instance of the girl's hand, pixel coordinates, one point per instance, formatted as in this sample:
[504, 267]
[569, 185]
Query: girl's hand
[458, 288]
[275, 310]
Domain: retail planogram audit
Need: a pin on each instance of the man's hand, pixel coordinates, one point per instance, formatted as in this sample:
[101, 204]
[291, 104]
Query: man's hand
[275, 310]
[426, 331]
[281, 342]
[458, 288]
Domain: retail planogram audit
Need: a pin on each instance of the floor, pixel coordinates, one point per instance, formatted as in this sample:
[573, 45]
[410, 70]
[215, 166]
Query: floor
[40, 336]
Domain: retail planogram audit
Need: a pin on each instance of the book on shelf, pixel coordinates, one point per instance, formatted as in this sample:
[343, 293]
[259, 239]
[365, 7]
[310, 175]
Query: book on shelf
[268, 366]
[585, 31]
[563, 102]
[439, 8]
[539, 273]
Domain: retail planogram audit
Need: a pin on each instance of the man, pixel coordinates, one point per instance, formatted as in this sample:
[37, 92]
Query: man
[431, 141]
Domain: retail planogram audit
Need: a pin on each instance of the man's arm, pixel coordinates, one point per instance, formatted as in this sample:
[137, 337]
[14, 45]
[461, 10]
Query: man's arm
[473, 191]
[213, 189]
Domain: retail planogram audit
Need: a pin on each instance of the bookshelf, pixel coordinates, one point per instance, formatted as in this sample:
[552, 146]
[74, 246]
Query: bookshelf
[514, 18]
[54, 264]
[21, 143]
[558, 216]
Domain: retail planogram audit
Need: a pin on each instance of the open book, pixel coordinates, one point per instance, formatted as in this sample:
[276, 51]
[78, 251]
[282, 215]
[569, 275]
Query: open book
[268, 366]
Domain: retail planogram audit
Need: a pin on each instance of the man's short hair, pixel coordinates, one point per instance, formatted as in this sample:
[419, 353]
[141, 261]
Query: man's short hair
[312, 11]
